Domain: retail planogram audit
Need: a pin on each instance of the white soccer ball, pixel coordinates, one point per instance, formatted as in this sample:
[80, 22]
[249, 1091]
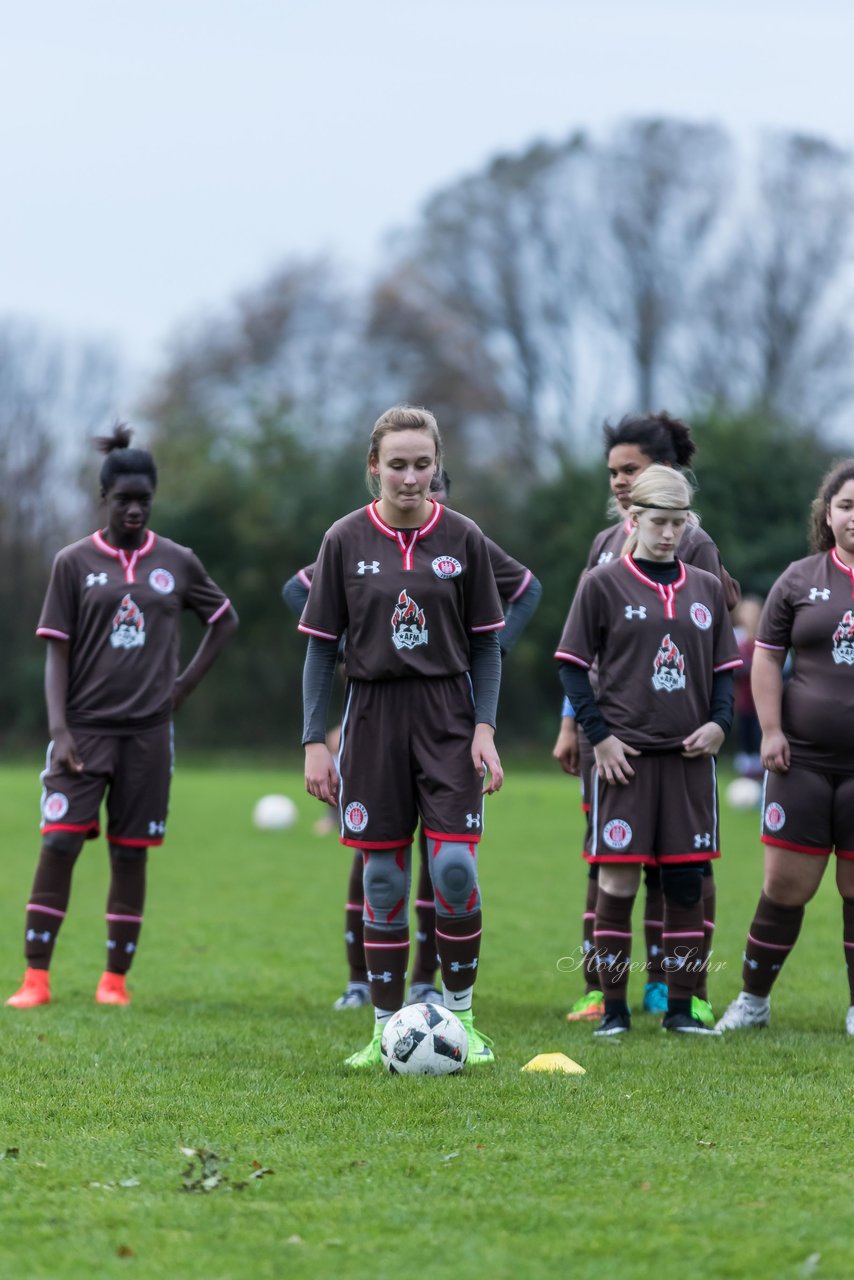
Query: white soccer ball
[274, 813]
[424, 1040]
[744, 793]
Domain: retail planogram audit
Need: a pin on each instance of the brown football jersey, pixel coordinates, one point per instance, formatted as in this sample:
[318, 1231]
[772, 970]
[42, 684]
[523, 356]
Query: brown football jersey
[810, 609]
[657, 647]
[121, 613]
[407, 599]
[695, 547]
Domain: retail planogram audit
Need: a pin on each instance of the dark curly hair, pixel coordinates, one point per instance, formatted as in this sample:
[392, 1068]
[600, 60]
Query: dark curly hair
[820, 532]
[121, 460]
[661, 437]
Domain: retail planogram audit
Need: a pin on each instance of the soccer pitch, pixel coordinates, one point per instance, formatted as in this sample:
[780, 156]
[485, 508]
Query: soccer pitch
[669, 1158]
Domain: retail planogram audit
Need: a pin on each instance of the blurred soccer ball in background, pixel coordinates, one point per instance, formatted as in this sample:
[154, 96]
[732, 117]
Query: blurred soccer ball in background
[274, 813]
[744, 793]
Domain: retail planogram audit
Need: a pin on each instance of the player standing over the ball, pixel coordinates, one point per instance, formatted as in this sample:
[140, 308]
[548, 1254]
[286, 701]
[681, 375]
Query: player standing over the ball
[808, 801]
[410, 582]
[520, 594]
[635, 443]
[660, 633]
[111, 618]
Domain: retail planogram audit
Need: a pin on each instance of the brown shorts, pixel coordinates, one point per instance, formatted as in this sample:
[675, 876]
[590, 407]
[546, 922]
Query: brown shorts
[405, 753]
[668, 813]
[133, 770]
[809, 812]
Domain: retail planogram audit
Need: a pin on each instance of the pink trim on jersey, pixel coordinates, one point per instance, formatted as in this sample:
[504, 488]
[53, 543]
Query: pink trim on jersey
[458, 937]
[442, 836]
[667, 858]
[795, 848]
[524, 587]
[407, 545]
[596, 858]
[728, 666]
[128, 562]
[312, 631]
[48, 911]
[113, 919]
[563, 656]
[489, 626]
[51, 634]
[840, 564]
[772, 946]
[845, 853]
[134, 844]
[666, 592]
[69, 826]
[379, 845]
[304, 579]
[388, 946]
[778, 648]
[215, 617]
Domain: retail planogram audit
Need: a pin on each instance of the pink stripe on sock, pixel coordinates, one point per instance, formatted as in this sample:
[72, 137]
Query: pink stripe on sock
[425, 902]
[682, 935]
[387, 945]
[772, 946]
[353, 906]
[659, 923]
[609, 933]
[458, 937]
[48, 911]
[123, 919]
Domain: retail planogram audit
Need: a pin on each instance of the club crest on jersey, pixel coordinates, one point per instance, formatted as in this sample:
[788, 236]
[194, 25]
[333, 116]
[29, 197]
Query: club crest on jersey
[843, 639]
[54, 806]
[128, 626]
[668, 669]
[356, 816]
[617, 834]
[775, 816]
[447, 567]
[408, 624]
[700, 615]
[162, 581]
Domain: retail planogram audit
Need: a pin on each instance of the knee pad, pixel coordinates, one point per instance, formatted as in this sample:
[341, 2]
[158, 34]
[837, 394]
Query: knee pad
[453, 867]
[386, 883]
[683, 885]
[66, 843]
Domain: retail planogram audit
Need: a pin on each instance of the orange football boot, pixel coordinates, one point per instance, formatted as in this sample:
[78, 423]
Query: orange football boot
[35, 989]
[111, 989]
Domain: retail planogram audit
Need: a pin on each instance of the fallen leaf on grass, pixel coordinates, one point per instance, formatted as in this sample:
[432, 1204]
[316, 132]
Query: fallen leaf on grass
[646, 1186]
[701, 1143]
[452, 1155]
[294, 1240]
[125, 1251]
[210, 1171]
[810, 1264]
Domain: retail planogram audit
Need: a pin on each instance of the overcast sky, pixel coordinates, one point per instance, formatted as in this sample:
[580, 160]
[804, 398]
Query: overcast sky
[158, 157]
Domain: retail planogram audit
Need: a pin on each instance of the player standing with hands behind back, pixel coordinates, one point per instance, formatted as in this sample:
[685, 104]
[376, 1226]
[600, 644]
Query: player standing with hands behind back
[665, 647]
[411, 583]
[111, 618]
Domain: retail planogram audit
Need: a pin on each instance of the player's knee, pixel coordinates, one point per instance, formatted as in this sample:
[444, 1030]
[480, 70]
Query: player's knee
[385, 885]
[128, 853]
[455, 876]
[682, 885]
[620, 881]
[66, 843]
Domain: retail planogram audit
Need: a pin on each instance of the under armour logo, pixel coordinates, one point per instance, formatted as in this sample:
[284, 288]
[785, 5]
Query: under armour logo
[703, 841]
[655, 951]
[639, 612]
[349, 936]
[34, 936]
[473, 820]
[605, 557]
[457, 966]
[379, 977]
[819, 593]
[362, 568]
[751, 964]
[96, 579]
[157, 828]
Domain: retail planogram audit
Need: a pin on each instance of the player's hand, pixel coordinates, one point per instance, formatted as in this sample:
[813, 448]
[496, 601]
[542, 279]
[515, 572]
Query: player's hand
[775, 752]
[486, 759]
[612, 760]
[64, 754]
[321, 776]
[705, 741]
[565, 750]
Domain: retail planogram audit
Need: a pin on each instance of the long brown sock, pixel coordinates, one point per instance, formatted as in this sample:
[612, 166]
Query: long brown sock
[387, 953]
[848, 940]
[709, 912]
[612, 943]
[47, 905]
[354, 928]
[653, 924]
[125, 902]
[458, 940]
[683, 938]
[773, 932]
[591, 977]
[426, 960]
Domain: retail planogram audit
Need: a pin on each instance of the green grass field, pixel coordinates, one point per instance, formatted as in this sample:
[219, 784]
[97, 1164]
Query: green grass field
[722, 1158]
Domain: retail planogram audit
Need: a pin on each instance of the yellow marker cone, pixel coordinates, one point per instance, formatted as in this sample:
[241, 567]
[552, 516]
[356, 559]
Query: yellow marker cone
[554, 1062]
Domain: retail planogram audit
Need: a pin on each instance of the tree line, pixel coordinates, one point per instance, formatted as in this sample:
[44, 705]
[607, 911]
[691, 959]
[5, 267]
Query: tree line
[554, 288]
